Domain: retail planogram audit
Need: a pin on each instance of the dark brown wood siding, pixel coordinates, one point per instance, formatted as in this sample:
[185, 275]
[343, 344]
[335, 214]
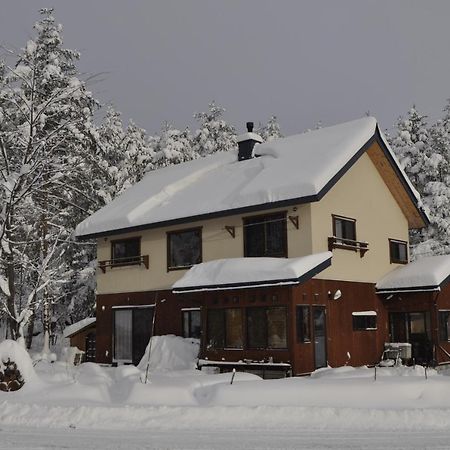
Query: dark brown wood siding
[79, 339]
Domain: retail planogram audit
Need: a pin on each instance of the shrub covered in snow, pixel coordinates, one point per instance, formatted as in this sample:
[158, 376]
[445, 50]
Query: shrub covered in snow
[16, 366]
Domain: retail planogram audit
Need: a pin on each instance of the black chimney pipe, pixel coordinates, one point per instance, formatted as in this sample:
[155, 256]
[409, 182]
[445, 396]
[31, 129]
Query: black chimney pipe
[247, 142]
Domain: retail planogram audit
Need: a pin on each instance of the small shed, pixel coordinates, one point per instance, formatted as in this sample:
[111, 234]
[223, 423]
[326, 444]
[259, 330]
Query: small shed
[82, 335]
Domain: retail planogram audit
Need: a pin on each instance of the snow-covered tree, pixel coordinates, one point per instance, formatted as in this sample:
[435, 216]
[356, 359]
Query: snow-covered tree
[172, 147]
[271, 130]
[45, 135]
[214, 133]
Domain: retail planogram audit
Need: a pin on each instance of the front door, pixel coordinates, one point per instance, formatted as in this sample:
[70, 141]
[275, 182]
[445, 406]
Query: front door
[413, 327]
[320, 336]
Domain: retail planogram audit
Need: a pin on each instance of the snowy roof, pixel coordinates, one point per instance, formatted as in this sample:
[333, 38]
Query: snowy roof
[424, 274]
[249, 135]
[296, 169]
[235, 273]
[78, 326]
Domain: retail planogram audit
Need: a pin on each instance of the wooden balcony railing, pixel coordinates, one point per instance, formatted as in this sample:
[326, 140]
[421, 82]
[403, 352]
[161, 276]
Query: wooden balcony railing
[126, 261]
[348, 244]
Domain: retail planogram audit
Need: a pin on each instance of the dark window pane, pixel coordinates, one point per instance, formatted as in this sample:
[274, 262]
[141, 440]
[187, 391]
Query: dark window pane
[265, 236]
[192, 325]
[399, 251]
[345, 228]
[184, 248]
[444, 325]
[276, 327]
[303, 324]
[364, 322]
[123, 328]
[126, 251]
[233, 321]
[256, 327]
[216, 328]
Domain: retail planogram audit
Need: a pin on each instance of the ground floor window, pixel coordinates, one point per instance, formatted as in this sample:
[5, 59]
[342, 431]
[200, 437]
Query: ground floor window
[132, 331]
[364, 320]
[444, 325]
[266, 327]
[192, 323]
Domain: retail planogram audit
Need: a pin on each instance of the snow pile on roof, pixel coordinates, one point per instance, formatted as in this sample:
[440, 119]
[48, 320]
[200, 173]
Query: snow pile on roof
[423, 274]
[233, 272]
[170, 353]
[16, 353]
[288, 168]
[77, 326]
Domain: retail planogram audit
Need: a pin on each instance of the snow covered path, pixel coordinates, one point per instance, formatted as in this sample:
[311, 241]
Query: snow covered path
[238, 439]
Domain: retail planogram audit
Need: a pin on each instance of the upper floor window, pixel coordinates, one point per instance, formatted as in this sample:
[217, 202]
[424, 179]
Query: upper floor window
[184, 248]
[398, 251]
[344, 228]
[265, 235]
[126, 251]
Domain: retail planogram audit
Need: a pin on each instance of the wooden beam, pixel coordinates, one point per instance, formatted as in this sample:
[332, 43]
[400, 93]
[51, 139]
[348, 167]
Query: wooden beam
[231, 229]
[295, 221]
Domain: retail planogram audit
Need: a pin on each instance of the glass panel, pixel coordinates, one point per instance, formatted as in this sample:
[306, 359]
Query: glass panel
[444, 325]
[186, 328]
[196, 324]
[126, 250]
[364, 323]
[338, 228]
[216, 328]
[254, 240]
[184, 248]
[275, 238]
[122, 334]
[233, 320]
[417, 323]
[276, 327]
[303, 324]
[320, 349]
[142, 331]
[256, 327]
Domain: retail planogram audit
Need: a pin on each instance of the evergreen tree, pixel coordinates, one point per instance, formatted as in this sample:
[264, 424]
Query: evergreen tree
[271, 130]
[214, 134]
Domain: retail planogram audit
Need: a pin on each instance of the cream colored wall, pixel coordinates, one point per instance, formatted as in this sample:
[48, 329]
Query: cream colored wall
[216, 243]
[362, 195]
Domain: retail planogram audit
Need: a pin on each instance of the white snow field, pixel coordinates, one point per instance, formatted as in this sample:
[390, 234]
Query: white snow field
[91, 406]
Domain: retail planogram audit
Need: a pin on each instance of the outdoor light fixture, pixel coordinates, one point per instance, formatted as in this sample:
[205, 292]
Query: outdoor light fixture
[337, 295]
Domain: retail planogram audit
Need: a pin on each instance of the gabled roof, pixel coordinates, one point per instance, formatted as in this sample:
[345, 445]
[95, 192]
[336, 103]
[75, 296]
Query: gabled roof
[77, 327]
[425, 274]
[293, 170]
[240, 273]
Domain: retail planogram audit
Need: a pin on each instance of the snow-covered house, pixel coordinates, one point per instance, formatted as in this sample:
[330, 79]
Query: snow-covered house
[268, 253]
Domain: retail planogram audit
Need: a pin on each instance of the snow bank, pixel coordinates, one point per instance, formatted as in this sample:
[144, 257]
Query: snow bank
[170, 353]
[12, 350]
[249, 271]
[424, 273]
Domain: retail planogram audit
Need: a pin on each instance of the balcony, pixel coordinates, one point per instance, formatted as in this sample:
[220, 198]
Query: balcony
[348, 244]
[126, 261]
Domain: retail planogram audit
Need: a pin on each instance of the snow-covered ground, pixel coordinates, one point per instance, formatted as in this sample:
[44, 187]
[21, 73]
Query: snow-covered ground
[91, 406]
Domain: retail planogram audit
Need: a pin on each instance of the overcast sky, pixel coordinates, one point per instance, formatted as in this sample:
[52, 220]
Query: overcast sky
[305, 61]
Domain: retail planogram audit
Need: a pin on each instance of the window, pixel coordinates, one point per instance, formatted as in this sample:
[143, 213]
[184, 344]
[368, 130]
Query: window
[132, 332]
[364, 320]
[225, 328]
[344, 228]
[126, 251]
[265, 236]
[444, 325]
[184, 248]
[398, 251]
[303, 324]
[267, 327]
[192, 323]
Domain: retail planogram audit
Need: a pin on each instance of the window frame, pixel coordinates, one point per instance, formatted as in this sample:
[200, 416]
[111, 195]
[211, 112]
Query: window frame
[189, 312]
[392, 258]
[335, 218]
[262, 219]
[127, 260]
[445, 329]
[168, 245]
[366, 326]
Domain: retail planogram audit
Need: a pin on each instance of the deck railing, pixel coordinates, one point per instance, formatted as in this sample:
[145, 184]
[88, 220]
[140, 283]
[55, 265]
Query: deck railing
[126, 261]
[348, 244]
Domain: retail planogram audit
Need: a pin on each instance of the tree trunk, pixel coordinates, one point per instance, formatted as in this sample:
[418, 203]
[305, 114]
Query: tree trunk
[30, 331]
